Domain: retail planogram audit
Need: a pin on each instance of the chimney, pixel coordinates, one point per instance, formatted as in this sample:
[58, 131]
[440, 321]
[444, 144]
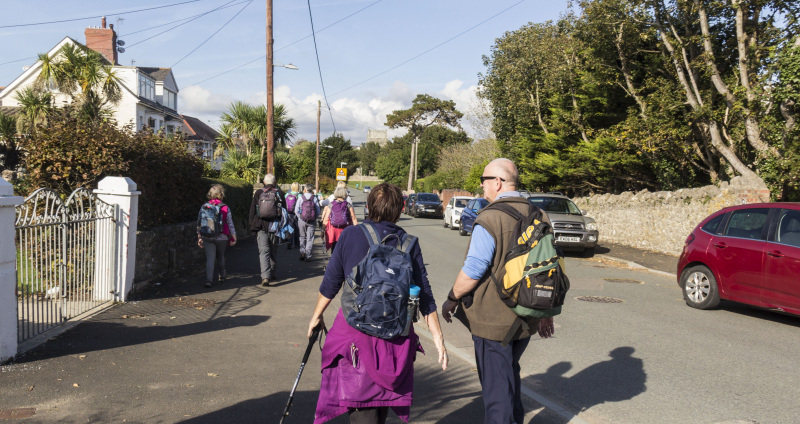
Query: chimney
[103, 40]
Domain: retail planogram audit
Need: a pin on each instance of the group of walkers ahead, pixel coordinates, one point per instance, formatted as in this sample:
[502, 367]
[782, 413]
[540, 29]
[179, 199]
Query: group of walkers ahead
[368, 357]
[275, 218]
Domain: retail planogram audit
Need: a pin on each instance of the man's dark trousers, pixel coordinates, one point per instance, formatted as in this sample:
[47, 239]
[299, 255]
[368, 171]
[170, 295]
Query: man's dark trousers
[498, 371]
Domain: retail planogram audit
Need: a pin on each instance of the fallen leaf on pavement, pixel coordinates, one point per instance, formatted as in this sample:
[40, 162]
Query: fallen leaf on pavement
[30, 389]
[82, 357]
[75, 385]
[211, 374]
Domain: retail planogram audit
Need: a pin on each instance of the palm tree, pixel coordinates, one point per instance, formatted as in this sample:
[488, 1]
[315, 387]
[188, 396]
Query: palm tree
[36, 105]
[238, 164]
[10, 152]
[250, 123]
[85, 76]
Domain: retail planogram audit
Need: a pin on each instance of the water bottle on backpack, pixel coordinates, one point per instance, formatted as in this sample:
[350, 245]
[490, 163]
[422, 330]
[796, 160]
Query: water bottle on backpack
[413, 308]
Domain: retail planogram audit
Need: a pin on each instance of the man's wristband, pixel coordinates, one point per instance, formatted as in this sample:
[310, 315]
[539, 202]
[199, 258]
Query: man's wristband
[451, 296]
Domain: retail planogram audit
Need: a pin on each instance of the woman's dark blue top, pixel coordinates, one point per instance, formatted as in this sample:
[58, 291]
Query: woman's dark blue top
[352, 247]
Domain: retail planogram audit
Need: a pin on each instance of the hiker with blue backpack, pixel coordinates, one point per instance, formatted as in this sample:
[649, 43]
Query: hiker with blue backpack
[493, 304]
[337, 216]
[306, 211]
[368, 356]
[291, 201]
[215, 231]
[266, 210]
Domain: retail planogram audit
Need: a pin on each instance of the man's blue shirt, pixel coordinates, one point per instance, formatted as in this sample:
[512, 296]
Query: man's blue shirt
[482, 247]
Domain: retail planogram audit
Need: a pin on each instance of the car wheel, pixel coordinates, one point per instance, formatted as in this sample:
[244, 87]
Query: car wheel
[446, 224]
[461, 229]
[588, 252]
[700, 288]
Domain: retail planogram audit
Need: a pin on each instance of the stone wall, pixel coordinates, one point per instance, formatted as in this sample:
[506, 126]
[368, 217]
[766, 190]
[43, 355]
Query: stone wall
[661, 221]
[166, 249]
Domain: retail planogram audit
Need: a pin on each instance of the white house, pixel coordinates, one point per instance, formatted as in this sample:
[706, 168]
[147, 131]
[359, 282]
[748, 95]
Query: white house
[149, 95]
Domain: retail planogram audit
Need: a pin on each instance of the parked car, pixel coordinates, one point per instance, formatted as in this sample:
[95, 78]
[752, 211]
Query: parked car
[409, 203]
[367, 189]
[427, 204]
[572, 229]
[452, 212]
[469, 214]
[747, 254]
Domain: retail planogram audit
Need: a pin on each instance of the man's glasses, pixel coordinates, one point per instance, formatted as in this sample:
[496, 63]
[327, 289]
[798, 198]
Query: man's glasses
[484, 179]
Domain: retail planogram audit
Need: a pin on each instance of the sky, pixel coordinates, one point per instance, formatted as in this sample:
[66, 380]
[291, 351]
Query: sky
[370, 57]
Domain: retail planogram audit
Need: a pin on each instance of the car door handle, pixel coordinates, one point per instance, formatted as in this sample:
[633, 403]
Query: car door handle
[775, 253]
[720, 245]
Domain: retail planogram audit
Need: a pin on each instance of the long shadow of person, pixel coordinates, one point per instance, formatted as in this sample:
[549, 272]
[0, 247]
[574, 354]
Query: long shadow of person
[615, 380]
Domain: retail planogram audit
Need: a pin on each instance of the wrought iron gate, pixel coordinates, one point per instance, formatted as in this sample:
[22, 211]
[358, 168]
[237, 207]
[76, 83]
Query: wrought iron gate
[66, 253]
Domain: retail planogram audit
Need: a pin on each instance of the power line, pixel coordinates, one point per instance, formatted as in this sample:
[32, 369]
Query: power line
[98, 16]
[432, 48]
[215, 33]
[316, 52]
[224, 6]
[179, 25]
[18, 60]
[283, 47]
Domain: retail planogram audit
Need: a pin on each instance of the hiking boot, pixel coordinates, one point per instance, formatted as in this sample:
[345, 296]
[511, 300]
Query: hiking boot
[222, 278]
[302, 257]
[265, 282]
[207, 284]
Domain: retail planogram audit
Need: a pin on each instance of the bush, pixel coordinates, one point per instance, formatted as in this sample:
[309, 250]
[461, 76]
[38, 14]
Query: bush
[238, 196]
[168, 176]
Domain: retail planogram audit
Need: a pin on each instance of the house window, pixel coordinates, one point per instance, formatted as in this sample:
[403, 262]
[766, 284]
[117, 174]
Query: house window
[147, 88]
[170, 99]
[151, 123]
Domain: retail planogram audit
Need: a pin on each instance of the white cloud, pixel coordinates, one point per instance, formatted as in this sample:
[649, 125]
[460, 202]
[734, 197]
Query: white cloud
[351, 116]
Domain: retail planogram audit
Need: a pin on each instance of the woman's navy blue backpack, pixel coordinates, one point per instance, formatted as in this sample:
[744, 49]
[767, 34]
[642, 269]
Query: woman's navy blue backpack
[375, 294]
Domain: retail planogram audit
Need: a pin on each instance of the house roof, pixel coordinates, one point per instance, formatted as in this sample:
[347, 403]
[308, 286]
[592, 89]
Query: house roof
[196, 129]
[10, 110]
[156, 106]
[158, 74]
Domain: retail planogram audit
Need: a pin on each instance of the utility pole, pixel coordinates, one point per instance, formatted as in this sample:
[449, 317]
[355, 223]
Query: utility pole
[411, 165]
[270, 100]
[319, 109]
[416, 158]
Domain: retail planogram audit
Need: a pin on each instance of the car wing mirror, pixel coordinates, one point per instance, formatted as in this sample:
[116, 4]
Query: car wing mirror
[583, 212]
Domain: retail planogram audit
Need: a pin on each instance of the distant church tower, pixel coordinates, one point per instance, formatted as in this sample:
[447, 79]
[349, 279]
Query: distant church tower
[378, 136]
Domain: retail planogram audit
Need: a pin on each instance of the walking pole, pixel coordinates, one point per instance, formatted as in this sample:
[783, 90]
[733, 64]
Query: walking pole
[311, 341]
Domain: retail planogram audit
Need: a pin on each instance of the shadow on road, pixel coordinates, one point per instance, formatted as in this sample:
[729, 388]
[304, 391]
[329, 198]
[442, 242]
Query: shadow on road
[615, 380]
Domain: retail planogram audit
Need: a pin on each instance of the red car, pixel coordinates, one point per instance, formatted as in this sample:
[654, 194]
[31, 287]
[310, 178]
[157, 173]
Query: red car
[748, 254]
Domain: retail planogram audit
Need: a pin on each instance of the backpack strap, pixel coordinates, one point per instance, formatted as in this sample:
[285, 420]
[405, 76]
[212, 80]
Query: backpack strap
[407, 243]
[370, 232]
[508, 209]
[519, 322]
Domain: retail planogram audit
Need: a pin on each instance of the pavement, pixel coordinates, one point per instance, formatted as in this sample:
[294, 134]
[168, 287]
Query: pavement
[181, 353]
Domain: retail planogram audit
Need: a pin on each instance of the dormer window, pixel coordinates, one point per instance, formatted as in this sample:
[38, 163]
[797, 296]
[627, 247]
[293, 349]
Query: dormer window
[170, 99]
[147, 87]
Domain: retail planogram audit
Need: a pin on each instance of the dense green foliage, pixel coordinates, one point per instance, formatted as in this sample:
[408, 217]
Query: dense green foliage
[68, 153]
[631, 94]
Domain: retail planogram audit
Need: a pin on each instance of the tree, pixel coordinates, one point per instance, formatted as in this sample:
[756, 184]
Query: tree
[85, 76]
[10, 149]
[340, 150]
[368, 156]
[249, 123]
[36, 106]
[425, 111]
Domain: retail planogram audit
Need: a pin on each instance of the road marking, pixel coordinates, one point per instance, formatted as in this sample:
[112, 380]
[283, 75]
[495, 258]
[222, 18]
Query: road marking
[539, 398]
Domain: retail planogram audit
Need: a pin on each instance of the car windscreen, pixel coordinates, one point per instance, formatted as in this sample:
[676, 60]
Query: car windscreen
[555, 205]
[481, 203]
[460, 203]
[428, 197]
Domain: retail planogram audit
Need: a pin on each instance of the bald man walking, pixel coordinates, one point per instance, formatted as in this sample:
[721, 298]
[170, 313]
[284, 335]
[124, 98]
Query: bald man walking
[480, 307]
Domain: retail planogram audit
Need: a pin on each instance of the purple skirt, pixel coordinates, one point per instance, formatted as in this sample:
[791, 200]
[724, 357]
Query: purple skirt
[361, 371]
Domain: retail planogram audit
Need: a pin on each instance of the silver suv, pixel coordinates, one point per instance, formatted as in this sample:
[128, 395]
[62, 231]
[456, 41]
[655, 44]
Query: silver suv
[572, 229]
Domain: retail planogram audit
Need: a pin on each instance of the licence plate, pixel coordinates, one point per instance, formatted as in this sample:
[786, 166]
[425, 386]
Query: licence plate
[430, 210]
[569, 239]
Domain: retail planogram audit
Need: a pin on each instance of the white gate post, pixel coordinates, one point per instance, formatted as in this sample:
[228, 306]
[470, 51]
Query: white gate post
[121, 191]
[8, 272]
